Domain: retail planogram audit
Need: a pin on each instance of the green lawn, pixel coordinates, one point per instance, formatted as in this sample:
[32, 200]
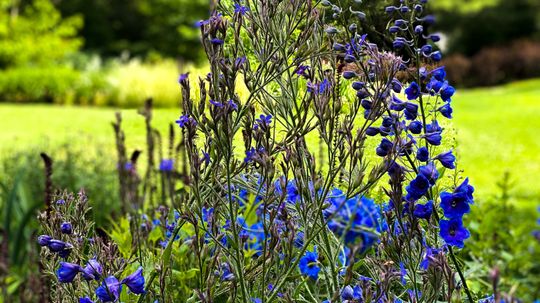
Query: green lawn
[497, 131]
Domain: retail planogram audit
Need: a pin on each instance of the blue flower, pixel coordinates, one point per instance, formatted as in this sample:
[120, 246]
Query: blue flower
[456, 204]
[413, 91]
[447, 159]
[411, 111]
[415, 127]
[436, 55]
[430, 172]
[110, 289]
[439, 73]
[422, 154]
[350, 294]
[240, 9]
[349, 75]
[447, 92]
[430, 254]
[417, 188]
[57, 245]
[453, 232]
[92, 270]
[402, 273]
[256, 300]
[433, 138]
[166, 165]
[85, 300]
[182, 79]
[446, 110]
[384, 148]
[44, 240]
[185, 120]
[67, 272]
[135, 282]
[227, 274]
[216, 41]
[309, 265]
[423, 211]
[263, 121]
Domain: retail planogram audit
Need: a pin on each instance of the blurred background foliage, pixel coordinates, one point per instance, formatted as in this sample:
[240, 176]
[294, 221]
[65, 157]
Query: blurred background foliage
[117, 53]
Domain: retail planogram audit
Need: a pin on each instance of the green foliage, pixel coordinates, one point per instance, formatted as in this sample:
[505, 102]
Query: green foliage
[140, 27]
[503, 240]
[495, 25]
[35, 34]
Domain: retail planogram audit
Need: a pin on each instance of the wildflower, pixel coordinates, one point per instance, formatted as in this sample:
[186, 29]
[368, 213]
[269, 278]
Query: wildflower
[256, 300]
[435, 56]
[447, 91]
[66, 228]
[413, 91]
[446, 110]
[433, 138]
[415, 127]
[456, 204]
[411, 111]
[349, 75]
[417, 188]
[447, 159]
[67, 272]
[308, 264]
[44, 240]
[422, 154]
[428, 257]
[85, 300]
[56, 245]
[61, 202]
[439, 73]
[430, 172]
[350, 294]
[185, 120]
[135, 282]
[453, 232]
[182, 79]
[263, 121]
[166, 165]
[240, 9]
[232, 105]
[92, 270]
[110, 289]
[216, 41]
[372, 131]
[402, 273]
[227, 274]
[384, 148]
[423, 211]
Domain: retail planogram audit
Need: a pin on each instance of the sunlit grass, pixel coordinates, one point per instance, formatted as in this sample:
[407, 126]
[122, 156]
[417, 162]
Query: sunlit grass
[497, 131]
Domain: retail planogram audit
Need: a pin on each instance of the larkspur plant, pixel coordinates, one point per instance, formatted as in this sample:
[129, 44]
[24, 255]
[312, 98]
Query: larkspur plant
[306, 210]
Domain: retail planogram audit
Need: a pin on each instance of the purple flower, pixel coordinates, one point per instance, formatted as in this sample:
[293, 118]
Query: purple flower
[240, 9]
[384, 148]
[415, 127]
[216, 103]
[350, 294]
[92, 270]
[422, 154]
[263, 121]
[417, 188]
[446, 110]
[447, 159]
[166, 165]
[135, 282]
[66, 228]
[85, 300]
[309, 265]
[453, 232]
[413, 91]
[183, 78]
[216, 41]
[430, 172]
[44, 240]
[67, 272]
[423, 211]
[56, 245]
[456, 204]
[110, 289]
[402, 273]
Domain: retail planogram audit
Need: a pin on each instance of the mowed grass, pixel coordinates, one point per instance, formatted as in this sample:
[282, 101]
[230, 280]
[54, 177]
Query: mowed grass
[496, 131]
